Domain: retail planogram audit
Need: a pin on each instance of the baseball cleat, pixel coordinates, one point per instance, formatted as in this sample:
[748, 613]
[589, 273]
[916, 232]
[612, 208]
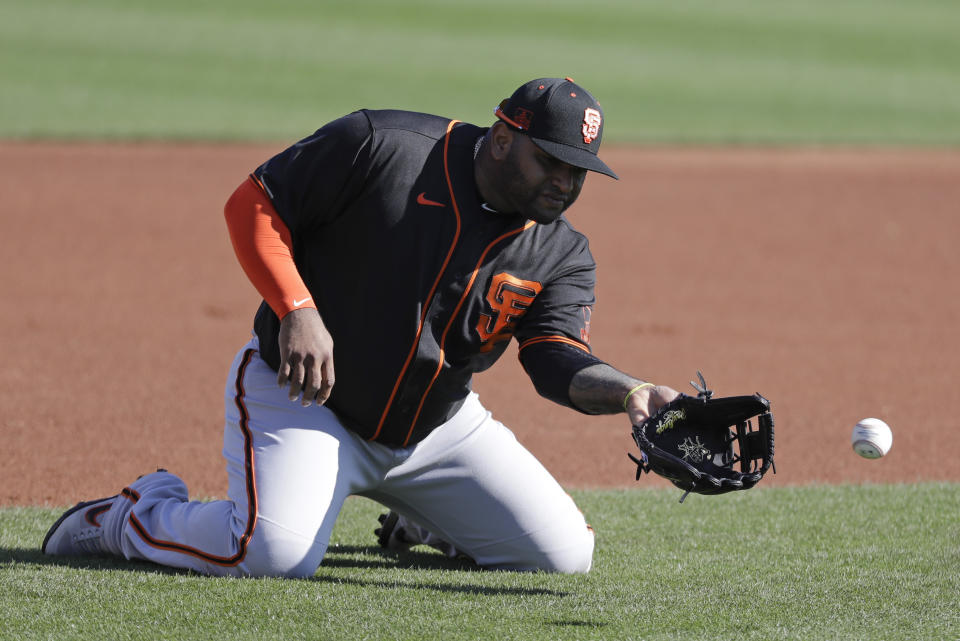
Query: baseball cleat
[400, 534]
[79, 530]
[389, 535]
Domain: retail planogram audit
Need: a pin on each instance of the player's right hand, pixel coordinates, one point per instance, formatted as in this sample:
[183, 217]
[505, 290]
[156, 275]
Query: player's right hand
[306, 357]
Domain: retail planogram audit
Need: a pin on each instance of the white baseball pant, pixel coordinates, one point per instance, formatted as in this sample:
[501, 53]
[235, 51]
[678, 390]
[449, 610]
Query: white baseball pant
[291, 467]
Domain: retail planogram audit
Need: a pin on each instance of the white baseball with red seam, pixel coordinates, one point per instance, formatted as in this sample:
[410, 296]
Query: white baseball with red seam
[871, 438]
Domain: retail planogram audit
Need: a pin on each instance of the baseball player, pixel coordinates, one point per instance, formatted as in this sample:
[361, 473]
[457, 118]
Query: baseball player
[397, 253]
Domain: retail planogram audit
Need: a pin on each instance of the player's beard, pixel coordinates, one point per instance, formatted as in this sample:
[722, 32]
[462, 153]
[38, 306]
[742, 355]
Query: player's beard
[542, 203]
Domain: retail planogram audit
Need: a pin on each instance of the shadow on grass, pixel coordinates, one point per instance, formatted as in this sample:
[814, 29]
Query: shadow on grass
[460, 588]
[576, 623]
[374, 558]
[34, 556]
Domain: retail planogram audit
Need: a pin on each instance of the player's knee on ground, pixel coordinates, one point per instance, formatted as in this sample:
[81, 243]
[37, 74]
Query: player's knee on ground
[277, 552]
[564, 551]
[574, 558]
[567, 546]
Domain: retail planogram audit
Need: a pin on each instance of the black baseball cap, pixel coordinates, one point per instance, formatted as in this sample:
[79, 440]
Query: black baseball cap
[561, 118]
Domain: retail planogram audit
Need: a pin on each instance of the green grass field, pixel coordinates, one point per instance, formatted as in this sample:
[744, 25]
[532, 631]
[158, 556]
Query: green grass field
[679, 71]
[849, 562]
[832, 563]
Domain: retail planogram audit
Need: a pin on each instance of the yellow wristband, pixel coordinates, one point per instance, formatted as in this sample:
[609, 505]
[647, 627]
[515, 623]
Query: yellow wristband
[630, 393]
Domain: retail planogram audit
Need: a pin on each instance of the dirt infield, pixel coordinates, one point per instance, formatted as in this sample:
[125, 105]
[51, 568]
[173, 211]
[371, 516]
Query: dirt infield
[827, 281]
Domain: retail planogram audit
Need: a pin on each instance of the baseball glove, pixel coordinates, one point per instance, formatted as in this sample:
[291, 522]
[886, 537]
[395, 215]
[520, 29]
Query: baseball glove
[691, 440]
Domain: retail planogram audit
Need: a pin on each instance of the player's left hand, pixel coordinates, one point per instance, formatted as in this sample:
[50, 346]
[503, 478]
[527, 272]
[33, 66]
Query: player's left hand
[705, 444]
[645, 402]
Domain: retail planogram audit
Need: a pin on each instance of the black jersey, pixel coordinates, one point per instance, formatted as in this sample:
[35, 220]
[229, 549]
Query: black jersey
[417, 282]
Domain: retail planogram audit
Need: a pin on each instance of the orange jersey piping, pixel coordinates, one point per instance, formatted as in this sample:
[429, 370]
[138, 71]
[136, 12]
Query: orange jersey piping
[241, 553]
[466, 293]
[259, 184]
[433, 289]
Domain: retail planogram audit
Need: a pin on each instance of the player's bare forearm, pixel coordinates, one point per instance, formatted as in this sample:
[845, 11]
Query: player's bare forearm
[602, 389]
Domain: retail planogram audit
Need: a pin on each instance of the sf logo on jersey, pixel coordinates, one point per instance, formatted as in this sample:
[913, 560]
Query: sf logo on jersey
[509, 298]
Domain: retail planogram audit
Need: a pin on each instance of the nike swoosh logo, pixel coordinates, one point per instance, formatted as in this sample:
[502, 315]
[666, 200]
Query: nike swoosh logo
[93, 514]
[423, 200]
[298, 303]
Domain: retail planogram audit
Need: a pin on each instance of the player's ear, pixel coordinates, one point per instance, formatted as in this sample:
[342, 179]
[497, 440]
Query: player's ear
[501, 139]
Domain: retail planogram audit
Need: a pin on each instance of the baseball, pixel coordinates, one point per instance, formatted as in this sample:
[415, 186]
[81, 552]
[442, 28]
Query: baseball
[871, 438]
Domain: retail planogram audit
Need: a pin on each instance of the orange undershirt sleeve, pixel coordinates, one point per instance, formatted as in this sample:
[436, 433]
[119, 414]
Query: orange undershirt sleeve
[263, 246]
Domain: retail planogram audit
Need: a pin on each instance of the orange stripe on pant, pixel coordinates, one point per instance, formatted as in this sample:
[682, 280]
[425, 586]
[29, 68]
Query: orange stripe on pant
[251, 484]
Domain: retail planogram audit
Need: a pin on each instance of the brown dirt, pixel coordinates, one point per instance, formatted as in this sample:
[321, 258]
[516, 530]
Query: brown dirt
[827, 281]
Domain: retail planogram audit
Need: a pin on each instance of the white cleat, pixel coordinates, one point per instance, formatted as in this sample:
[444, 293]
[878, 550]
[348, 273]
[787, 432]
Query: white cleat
[79, 530]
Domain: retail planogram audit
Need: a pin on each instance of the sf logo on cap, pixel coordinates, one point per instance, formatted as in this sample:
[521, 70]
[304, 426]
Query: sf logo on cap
[523, 117]
[591, 124]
